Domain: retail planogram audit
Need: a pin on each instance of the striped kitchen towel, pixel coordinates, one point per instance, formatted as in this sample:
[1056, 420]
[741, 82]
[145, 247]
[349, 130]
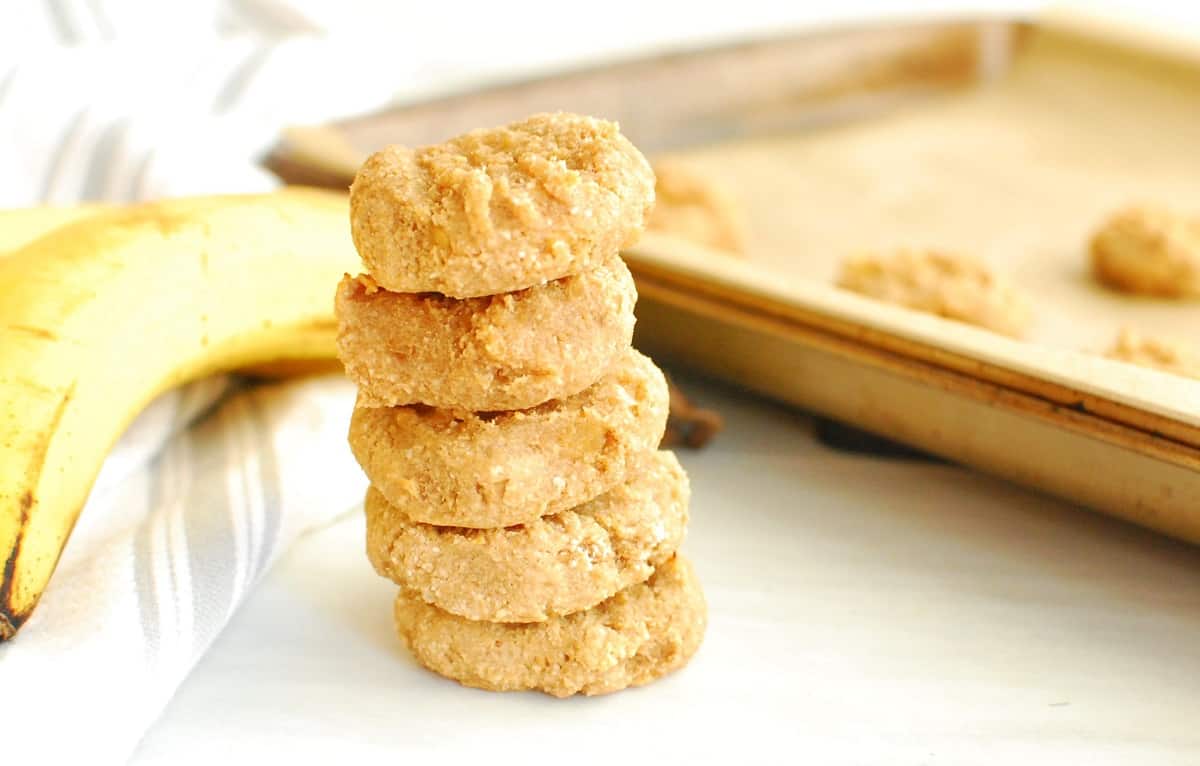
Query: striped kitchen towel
[215, 480]
[164, 553]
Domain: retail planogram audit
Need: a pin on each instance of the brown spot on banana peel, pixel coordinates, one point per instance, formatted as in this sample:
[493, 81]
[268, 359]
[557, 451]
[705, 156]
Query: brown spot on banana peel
[10, 619]
[37, 332]
[12, 615]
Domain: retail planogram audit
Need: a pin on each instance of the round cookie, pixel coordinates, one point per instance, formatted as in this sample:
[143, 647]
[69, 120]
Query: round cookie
[1158, 353]
[501, 352]
[946, 284]
[637, 636]
[501, 209]
[693, 207]
[546, 568]
[496, 469]
[1148, 250]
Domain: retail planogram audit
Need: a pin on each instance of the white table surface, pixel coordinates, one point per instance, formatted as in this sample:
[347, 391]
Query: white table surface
[863, 610]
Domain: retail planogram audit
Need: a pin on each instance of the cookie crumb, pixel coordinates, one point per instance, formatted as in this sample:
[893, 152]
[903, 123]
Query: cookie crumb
[689, 425]
[1164, 354]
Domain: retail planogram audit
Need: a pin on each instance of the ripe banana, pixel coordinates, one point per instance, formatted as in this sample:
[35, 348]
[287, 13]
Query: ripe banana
[100, 315]
[20, 226]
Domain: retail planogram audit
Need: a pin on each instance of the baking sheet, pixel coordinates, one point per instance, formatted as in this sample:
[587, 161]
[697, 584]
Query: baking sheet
[1017, 169]
[1018, 173]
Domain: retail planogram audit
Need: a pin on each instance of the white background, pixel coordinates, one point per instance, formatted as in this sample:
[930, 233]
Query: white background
[863, 610]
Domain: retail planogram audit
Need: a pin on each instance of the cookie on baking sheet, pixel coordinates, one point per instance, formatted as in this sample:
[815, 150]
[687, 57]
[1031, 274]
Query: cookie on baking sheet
[633, 638]
[1164, 354]
[1148, 250]
[500, 209]
[546, 568]
[692, 206]
[470, 469]
[501, 352]
[946, 284]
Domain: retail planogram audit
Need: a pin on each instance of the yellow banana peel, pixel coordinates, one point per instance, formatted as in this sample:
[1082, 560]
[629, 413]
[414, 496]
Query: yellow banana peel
[20, 226]
[111, 307]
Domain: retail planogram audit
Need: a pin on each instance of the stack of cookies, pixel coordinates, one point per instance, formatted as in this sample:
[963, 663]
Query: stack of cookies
[508, 428]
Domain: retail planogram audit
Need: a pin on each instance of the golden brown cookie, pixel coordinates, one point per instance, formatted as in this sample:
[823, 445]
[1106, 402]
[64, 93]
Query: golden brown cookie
[1159, 353]
[637, 636]
[546, 568]
[1148, 250]
[468, 469]
[502, 352]
[946, 284]
[498, 210]
[692, 206]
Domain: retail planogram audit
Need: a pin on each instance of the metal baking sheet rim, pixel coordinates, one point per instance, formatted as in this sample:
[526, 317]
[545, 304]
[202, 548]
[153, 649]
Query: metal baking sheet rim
[1169, 396]
[1032, 445]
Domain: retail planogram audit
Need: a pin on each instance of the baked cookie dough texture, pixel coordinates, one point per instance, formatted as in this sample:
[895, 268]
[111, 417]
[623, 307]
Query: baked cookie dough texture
[499, 210]
[638, 635]
[691, 205]
[498, 352]
[1148, 250]
[496, 469]
[552, 566]
[518, 497]
[949, 285]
